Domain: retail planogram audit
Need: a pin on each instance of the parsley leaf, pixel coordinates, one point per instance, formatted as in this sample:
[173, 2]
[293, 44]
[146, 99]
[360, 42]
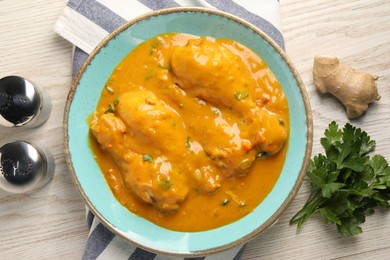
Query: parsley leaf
[147, 157]
[110, 109]
[347, 184]
[241, 94]
[165, 184]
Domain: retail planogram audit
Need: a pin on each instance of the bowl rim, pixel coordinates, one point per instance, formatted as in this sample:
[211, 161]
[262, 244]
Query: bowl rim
[305, 99]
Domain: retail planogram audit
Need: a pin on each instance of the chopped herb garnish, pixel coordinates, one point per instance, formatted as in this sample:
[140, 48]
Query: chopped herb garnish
[262, 155]
[225, 202]
[241, 94]
[156, 43]
[188, 143]
[245, 164]
[148, 158]
[116, 101]
[168, 68]
[165, 184]
[110, 109]
[216, 111]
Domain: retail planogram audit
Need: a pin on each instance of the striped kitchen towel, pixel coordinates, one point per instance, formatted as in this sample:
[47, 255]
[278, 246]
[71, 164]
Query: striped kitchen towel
[85, 23]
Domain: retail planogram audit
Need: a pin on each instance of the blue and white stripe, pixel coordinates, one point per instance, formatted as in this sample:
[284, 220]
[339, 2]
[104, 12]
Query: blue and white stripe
[85, 23]
[102, 244]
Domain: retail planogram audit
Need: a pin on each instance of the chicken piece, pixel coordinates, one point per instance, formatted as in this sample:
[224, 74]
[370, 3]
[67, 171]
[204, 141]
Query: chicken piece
[154, 181]
[220, 137]
[269, 130]
[213, 73]
[150, 120]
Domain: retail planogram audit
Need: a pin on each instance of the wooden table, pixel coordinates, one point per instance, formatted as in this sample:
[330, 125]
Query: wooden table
[50, 223]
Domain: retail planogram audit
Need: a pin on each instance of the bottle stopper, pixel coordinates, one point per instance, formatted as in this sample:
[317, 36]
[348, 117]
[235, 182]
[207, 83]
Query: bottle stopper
[22, 103]
[24, 167]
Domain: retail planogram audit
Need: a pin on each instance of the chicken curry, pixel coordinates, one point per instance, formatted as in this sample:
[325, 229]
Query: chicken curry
[190, 132]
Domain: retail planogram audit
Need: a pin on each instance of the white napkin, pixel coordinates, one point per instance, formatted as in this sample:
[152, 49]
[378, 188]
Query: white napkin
[86, 22]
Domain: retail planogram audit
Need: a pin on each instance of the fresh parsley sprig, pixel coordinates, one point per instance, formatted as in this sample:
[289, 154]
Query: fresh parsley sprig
[347, 184]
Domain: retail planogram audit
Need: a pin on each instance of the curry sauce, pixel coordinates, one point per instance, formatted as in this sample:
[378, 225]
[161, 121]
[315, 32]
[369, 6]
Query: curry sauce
[191, 132]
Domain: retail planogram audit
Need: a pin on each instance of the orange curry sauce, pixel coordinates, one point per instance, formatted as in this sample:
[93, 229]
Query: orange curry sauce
[191, 132]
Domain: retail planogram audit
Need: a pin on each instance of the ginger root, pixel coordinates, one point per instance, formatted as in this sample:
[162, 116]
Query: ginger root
[355, 89]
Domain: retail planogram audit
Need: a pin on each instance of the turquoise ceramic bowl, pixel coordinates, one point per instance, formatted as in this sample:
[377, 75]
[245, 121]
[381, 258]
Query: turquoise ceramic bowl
[85, 93]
